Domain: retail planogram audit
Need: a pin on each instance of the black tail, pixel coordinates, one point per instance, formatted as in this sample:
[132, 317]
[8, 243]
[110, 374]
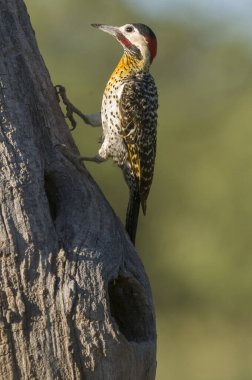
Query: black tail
[132, 215]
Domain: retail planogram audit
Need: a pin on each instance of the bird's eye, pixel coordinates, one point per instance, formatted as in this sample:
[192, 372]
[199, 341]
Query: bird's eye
[129, 29]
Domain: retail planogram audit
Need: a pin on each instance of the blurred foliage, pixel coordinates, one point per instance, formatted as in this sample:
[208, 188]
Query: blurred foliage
[196, 239]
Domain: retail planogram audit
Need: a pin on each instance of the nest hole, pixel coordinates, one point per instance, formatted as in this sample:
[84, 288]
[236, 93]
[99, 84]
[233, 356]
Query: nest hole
[131, 309]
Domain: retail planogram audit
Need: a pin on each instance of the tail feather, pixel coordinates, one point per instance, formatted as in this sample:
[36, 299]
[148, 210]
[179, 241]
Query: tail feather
[132, 215]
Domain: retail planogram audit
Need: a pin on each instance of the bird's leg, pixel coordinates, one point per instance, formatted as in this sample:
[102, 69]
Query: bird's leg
[94, 119]
[98, 159]
[76, 159]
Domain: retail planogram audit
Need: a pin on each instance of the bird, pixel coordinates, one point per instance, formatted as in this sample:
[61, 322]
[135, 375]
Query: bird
[129, 116]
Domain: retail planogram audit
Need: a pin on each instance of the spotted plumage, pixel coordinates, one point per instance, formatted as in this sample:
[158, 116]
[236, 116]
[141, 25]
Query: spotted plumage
[138, 108]
[129, 115]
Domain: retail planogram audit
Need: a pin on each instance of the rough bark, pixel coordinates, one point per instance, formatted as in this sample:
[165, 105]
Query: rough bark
[75, 302]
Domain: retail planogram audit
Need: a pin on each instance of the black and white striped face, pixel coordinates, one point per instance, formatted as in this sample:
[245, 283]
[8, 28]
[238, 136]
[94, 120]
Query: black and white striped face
[136, 38]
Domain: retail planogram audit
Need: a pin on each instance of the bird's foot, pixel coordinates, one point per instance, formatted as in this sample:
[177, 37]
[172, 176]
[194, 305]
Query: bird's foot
[75, 159]
[70, 108]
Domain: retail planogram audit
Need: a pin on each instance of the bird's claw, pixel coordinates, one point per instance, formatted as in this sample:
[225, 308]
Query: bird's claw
[70, 108]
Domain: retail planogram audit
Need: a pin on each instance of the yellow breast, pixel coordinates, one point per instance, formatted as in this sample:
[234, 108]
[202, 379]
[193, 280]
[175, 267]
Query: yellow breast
[126, 67]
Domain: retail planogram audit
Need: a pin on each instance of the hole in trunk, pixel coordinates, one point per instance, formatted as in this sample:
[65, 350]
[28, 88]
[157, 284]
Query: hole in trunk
[131, 310]
[51, 194]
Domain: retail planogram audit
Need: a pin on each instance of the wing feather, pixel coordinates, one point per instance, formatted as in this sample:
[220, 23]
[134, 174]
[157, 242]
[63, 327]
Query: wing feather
[138, 110]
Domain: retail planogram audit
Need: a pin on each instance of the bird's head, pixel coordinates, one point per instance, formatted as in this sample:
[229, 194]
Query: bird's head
[136, 39]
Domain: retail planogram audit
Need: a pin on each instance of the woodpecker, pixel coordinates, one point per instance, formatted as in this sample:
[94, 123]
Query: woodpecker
[129, 116]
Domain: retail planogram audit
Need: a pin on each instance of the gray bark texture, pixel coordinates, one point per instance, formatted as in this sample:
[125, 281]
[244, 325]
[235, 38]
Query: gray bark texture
[75, 302]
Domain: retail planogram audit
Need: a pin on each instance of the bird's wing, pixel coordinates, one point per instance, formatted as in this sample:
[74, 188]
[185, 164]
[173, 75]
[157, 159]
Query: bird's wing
[138, 111]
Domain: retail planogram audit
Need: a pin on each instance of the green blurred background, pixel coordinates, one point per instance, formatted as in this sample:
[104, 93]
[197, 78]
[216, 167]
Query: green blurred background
[196, 239]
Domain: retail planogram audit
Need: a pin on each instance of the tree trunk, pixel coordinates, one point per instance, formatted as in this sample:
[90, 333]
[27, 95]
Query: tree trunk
[75, 302]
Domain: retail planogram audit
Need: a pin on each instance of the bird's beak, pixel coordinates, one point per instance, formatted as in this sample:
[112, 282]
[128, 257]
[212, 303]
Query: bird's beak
[113, 30]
